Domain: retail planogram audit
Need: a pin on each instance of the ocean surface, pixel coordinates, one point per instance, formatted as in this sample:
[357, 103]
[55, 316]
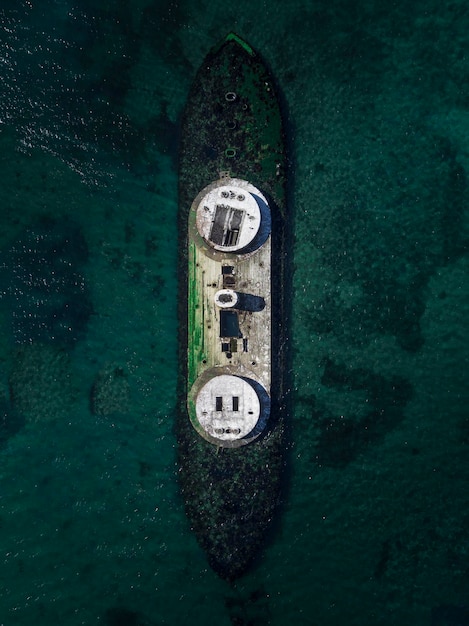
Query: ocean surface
[374, 524]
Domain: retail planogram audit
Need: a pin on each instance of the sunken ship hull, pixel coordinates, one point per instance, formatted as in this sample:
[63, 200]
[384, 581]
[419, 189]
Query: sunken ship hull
[232, 147]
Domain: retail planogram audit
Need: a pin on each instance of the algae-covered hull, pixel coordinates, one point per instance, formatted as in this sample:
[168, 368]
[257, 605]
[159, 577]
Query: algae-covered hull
[232, 145]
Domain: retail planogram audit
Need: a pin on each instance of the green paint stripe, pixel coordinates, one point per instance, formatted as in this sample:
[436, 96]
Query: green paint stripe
[242, 43]
[195, 323]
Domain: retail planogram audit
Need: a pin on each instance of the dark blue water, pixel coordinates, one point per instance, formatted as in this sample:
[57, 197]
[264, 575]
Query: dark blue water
[374, 528]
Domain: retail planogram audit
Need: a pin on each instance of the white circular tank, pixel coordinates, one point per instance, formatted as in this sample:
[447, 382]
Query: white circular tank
[227, 408]
[228, 214]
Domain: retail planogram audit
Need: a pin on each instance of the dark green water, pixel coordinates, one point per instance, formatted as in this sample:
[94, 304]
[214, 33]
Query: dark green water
[375, 525]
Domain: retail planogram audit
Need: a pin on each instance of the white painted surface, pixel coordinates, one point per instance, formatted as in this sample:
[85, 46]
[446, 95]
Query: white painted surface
[236, 195]
[227, 424]
[226, 298]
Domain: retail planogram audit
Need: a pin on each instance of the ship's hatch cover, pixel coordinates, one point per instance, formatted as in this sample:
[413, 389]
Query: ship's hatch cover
[229, 325]
[226, 225]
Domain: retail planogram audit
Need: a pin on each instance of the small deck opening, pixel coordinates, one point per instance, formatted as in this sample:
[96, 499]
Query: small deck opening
[229, 281]
[231, 237]
[229, 324]
[226, 225]
[219, 403]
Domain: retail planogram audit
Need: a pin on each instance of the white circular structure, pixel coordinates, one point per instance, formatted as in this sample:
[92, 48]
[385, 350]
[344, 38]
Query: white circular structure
[227, 408]
[229, 214]
[226, 298]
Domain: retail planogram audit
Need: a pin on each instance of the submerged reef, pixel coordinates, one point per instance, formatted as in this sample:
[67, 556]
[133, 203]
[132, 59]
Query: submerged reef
[10, 420]
[45, 288]
[47, 303]
[40, 383]
[110, 392]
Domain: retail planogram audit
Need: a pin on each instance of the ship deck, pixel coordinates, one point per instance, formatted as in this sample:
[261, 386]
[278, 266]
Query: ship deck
[251, 352]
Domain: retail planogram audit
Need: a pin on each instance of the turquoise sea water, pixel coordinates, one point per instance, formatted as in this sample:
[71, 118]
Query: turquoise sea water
[374, 527]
